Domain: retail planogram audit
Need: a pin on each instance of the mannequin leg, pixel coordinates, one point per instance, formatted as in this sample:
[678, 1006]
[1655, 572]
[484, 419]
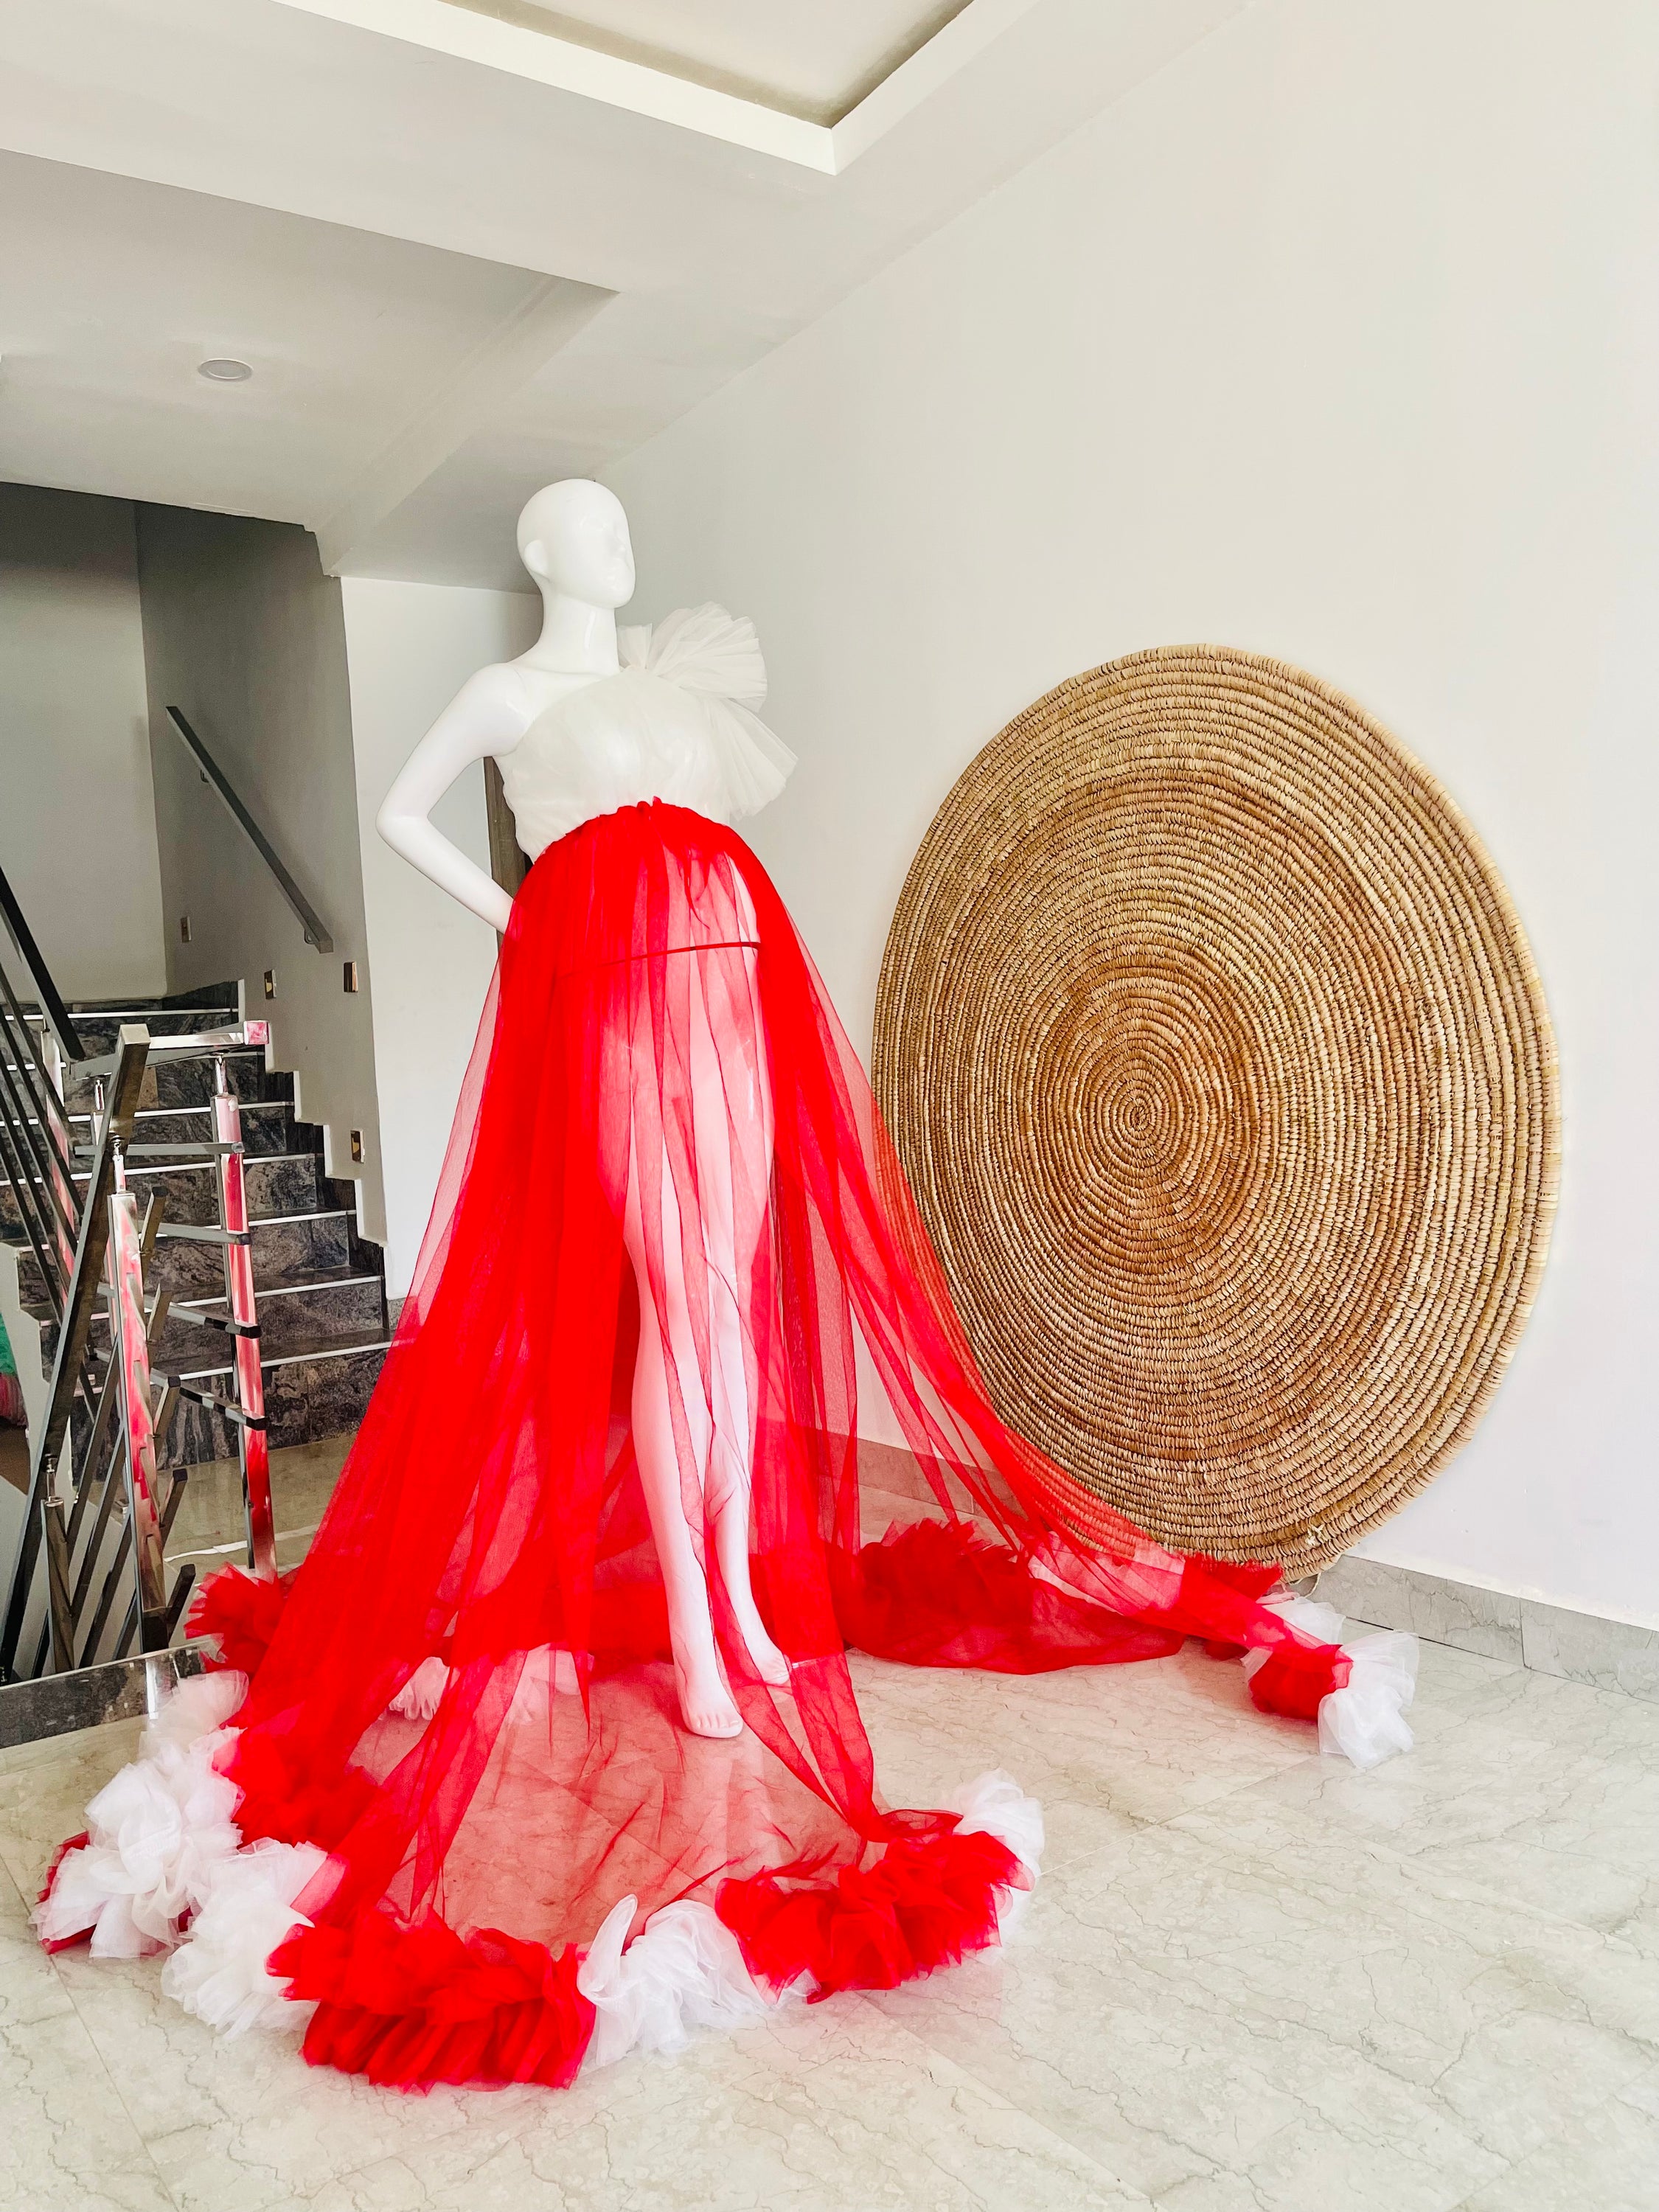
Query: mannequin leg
[731, 1110]
[694, 1423]
[730, 1463]
[706, 1704]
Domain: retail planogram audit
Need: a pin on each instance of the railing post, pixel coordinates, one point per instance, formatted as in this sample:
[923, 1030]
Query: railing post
[253, 1441]
[129, 1346]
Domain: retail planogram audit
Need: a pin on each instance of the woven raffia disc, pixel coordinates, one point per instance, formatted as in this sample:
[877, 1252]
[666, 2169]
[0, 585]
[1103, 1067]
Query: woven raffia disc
[1215, 1054]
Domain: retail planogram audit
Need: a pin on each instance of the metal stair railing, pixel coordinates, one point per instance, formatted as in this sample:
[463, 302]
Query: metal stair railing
[35, 1141]
[213, 774]
[100, 1505]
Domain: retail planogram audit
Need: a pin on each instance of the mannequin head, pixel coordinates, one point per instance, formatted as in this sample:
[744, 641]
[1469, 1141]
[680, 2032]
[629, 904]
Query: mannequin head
[573, 538]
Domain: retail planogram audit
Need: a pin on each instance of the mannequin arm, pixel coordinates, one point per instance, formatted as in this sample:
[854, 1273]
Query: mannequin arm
[485, 717]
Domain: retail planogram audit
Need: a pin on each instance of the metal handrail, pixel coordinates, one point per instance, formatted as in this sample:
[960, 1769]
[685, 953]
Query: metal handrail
[36, 1043]
[45, 991]
[309, 919]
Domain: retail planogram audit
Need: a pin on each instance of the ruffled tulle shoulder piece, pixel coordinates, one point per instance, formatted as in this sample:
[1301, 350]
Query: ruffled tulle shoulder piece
[701, 649]
[717, 656]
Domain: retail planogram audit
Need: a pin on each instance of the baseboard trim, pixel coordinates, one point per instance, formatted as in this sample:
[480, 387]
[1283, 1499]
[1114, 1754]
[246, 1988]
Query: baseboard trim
[1551, 1639]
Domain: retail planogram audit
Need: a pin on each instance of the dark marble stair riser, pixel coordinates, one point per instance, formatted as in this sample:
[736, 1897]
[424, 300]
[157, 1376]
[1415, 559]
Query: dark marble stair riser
[201, 997]
[304, 1400]
[316, 1244]
[291, 1316]
[265, 1127]
[322, 1243]
[283, 1184]
[189, 1082]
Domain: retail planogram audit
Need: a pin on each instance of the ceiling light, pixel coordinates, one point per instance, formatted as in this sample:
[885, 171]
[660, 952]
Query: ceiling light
[225, 372]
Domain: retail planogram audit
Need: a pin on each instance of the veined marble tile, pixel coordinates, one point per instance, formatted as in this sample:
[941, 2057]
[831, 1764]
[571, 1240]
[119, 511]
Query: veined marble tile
[828, 2108]
[29, 1988]
[1120, 2049]
[66, 2142]
[1251, 1980]
[242, 2125]
[1172, 1982]
[1147, 1739]
[1534, 1773]
[1607, 2160]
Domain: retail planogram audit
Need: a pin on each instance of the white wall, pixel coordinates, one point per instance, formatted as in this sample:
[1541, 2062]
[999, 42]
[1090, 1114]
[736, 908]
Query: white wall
[243, 633]
[1336, 341]
[410, 648]
[77, 820]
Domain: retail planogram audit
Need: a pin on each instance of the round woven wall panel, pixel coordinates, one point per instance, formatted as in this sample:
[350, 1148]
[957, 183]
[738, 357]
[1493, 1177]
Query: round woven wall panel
[1214, 1052]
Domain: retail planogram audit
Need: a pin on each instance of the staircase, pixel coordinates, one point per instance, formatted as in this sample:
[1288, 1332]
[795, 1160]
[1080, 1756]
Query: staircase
[321, 1287]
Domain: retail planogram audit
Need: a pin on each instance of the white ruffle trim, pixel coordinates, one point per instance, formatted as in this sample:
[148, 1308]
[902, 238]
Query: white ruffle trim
[165, 1851]
[159, 1833]
[717, 656]
[685, 1968]
[1364, 1722]
[219, 1971]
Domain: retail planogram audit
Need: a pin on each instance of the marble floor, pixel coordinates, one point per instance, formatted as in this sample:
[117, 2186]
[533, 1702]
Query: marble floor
[1251, 1980]
[208, 1528]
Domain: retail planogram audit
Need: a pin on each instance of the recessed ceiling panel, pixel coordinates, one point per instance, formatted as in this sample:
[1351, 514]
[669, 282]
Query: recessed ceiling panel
[815, 59]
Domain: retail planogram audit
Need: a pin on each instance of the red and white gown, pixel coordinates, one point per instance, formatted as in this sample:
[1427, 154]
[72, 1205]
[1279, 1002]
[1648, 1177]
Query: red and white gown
[437, 1804]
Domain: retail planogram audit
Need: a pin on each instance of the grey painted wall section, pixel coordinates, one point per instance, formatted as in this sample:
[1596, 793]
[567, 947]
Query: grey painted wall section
[77, 827]
[244, 633]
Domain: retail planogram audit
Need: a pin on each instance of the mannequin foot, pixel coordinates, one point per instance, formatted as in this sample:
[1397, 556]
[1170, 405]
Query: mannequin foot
[769, 1662]
[706, 1705]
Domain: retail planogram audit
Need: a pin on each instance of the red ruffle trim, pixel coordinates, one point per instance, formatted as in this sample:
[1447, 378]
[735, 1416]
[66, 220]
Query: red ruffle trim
[1294, 1679]
[941, 1594]
[241, 1613]
[412, 2006]
[70, 1844]
[926, 1903]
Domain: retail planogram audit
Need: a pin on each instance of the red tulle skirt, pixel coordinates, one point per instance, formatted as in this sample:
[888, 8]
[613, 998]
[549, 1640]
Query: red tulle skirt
[668, 1216]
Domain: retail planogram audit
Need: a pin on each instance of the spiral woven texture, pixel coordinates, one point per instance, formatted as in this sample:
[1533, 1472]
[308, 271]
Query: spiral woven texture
[1216, 1056]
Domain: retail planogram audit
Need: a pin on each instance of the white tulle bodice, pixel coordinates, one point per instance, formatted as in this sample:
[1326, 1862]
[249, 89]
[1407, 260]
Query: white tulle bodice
[676, 722]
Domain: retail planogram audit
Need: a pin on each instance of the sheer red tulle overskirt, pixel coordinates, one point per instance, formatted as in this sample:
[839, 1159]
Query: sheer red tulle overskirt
[665, 1162]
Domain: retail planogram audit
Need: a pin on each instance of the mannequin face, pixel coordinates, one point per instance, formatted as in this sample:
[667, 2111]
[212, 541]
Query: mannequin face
[573, 538]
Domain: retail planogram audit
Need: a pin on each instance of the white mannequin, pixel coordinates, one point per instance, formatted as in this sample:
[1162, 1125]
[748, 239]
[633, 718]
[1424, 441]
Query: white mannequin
[573, 538]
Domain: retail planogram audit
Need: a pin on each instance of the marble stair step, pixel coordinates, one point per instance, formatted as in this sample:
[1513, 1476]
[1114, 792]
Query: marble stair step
[316, 1389]
[97, 1028]
[295, 1317]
